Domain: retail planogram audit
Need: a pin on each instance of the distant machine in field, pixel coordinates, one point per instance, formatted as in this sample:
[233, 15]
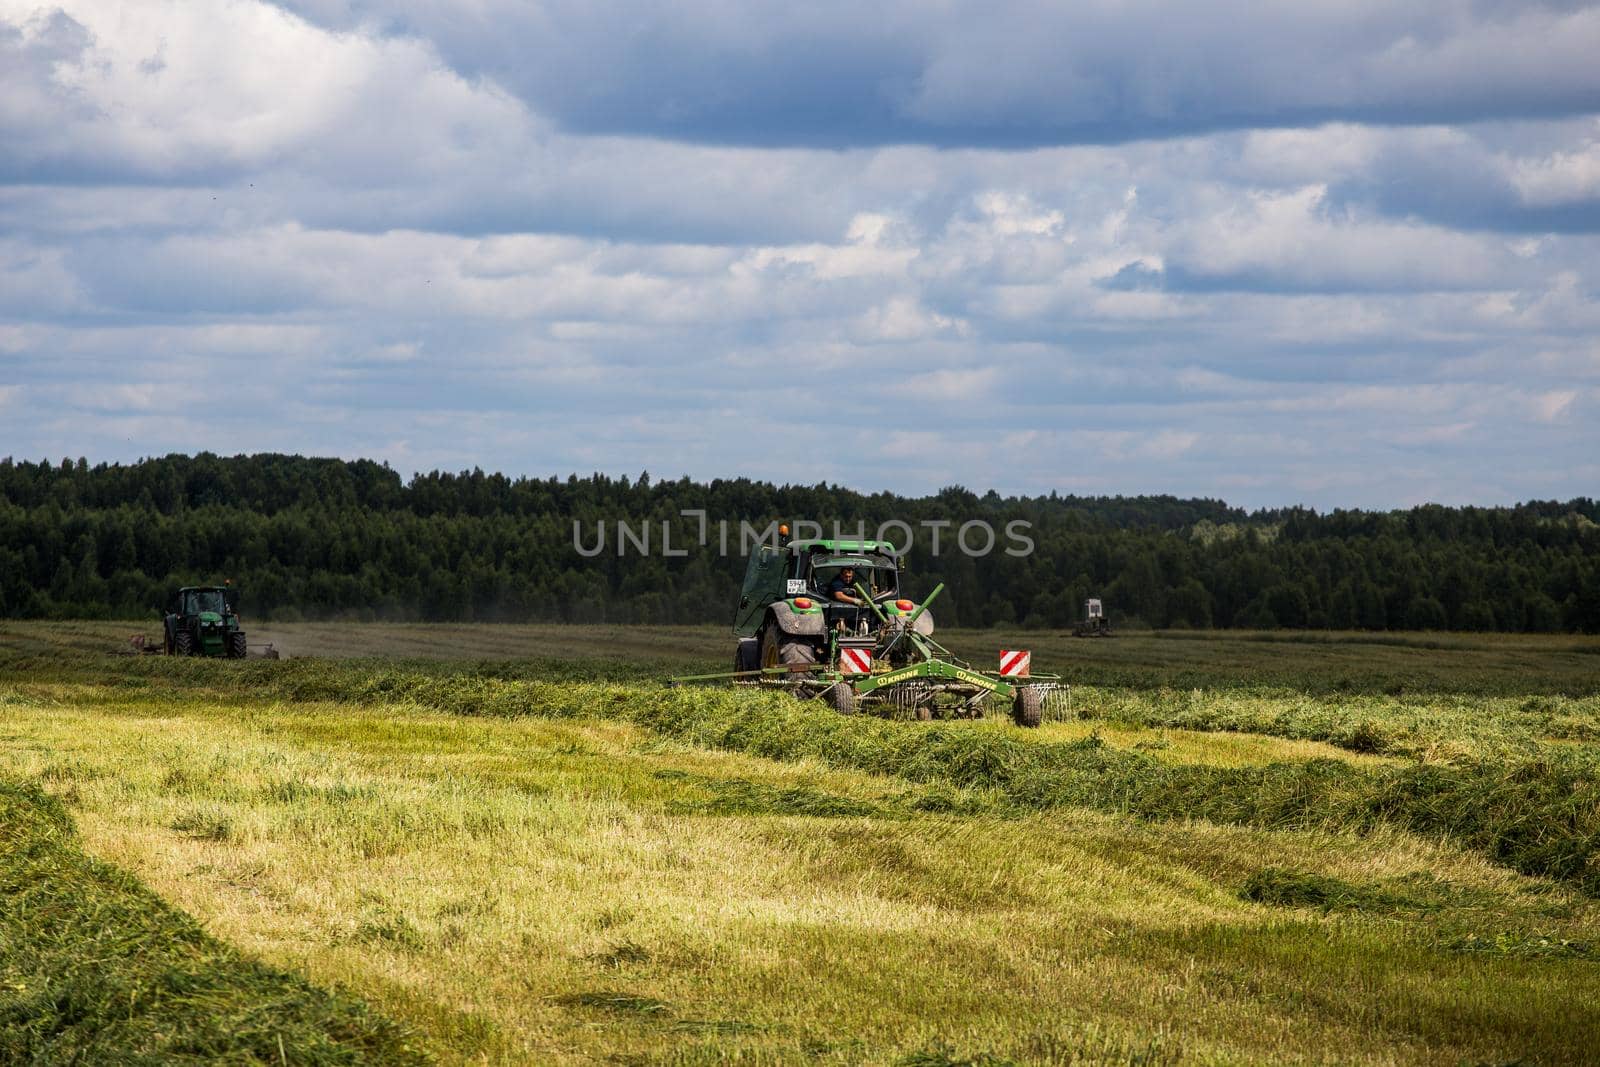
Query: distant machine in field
[203, 622]
[827, 619]
[1095, 623]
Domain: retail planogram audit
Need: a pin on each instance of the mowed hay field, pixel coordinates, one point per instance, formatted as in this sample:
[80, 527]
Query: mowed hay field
[518, 845]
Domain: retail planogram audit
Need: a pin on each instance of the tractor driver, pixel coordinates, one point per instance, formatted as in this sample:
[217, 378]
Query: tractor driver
[842, 586]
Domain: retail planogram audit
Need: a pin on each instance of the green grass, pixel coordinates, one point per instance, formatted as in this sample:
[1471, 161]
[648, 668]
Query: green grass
[548, 860]
[1533, 807]
[524, 889]
[96, 969]
[1538, 812]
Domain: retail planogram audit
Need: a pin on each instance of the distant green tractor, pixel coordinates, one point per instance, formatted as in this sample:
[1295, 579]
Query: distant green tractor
[203, 623]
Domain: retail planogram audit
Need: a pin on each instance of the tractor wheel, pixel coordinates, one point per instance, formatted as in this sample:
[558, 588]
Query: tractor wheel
[841, 698]
[237, 645]
[778, 649]
[747, 655]
[1027, 709]
[183, 643]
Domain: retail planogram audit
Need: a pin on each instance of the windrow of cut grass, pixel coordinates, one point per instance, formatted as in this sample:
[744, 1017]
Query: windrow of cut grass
[94, 968]
[1420, 725]
[1538, 813]
[1432, 727]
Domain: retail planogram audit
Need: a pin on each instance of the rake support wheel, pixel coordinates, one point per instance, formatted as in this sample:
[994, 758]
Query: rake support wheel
[1027, 707]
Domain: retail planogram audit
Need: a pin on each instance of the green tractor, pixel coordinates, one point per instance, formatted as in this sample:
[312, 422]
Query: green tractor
[877, 653]
[203, 622]
[787, 618]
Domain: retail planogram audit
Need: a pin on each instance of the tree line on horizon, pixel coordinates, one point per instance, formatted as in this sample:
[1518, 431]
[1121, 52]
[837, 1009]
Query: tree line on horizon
[310, 538]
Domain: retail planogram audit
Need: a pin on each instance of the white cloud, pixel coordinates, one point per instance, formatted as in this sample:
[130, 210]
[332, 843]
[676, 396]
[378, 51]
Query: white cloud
[1560, 178]
[1010, 214]
[37, 281]
[903, 318]
[1290, 240]
[132, 396]
[1318, 154]
[830, 262]
[17, 338]
[1447, 433]
[949, 386]
[1168, 444]
[1551, 406]
[178, 87]
[331, 230]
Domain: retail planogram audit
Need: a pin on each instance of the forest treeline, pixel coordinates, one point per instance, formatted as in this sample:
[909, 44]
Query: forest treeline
[328, 538]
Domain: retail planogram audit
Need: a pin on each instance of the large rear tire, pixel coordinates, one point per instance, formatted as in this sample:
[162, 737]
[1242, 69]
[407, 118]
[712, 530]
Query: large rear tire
[1027, 708]
[778, 649]
[183, 643]
[237, 645]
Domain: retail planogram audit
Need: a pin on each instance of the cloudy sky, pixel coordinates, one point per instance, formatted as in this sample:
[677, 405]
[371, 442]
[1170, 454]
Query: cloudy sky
[1343, 254]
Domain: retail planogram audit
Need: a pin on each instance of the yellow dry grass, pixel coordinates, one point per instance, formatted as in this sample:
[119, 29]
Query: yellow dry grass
[529, 891]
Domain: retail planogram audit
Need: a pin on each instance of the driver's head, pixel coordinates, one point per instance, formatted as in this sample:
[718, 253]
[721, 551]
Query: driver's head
[848, 574]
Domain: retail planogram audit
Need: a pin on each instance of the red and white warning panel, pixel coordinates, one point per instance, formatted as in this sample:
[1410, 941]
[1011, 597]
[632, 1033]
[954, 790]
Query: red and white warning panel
[855, 661]
[1014, 663]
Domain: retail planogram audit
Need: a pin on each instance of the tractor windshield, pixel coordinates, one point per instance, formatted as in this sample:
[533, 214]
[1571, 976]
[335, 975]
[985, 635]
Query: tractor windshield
[878, 575]
[203, 600]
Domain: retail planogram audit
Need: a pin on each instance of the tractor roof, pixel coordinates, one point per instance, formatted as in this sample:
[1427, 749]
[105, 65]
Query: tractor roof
[825, 545]
[858, 562]
[206, 589]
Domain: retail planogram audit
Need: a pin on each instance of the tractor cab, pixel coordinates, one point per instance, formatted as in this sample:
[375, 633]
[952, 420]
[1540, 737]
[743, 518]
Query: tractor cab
[796, 577]
[873, 573]
[203, 602]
